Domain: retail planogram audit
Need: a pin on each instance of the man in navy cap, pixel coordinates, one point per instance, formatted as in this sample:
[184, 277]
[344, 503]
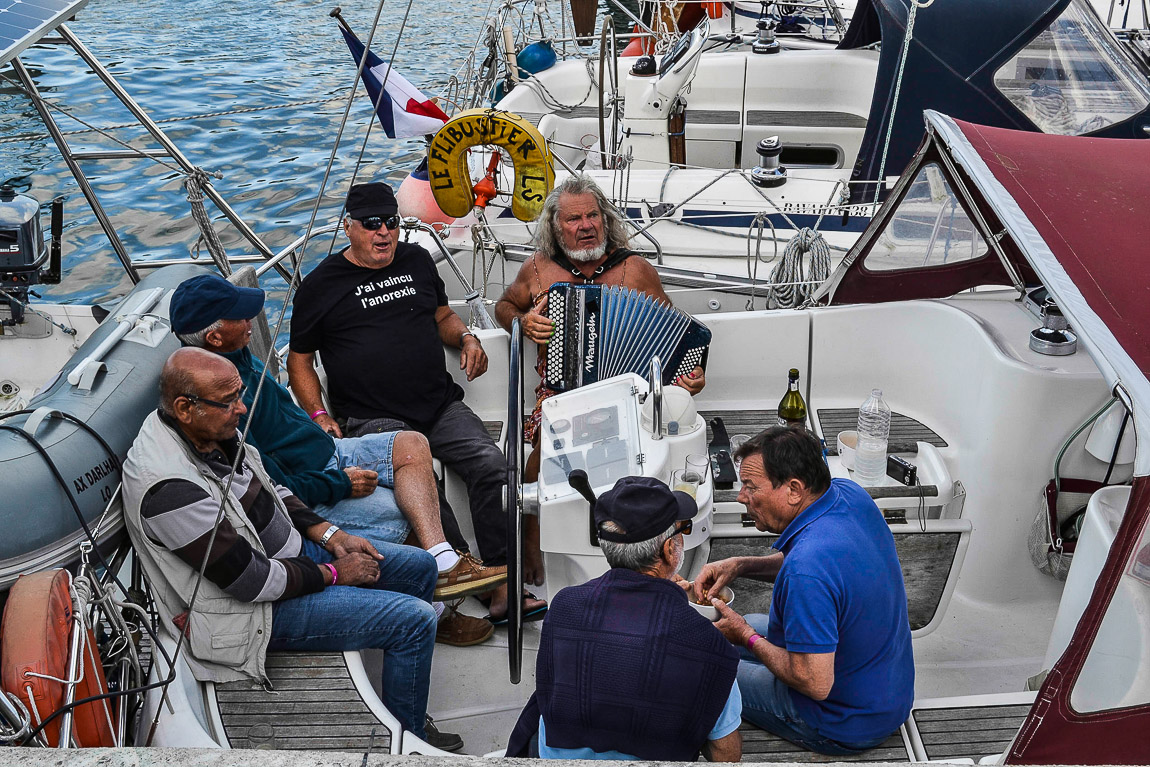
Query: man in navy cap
[626, 668]
[377, 314]
[348, 482]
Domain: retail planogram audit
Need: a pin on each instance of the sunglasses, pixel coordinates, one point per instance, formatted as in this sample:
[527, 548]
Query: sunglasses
[684, 526]
[373, 223]
[221, 405]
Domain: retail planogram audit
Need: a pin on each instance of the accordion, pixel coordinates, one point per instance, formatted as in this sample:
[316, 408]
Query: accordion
[607, 330]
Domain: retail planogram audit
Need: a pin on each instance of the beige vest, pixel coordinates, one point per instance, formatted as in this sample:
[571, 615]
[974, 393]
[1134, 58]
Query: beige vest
[227, 639]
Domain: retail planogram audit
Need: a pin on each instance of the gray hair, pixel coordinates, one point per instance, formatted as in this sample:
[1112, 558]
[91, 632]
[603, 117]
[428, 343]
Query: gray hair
[638, 556]
[200, 337]
[547, 239]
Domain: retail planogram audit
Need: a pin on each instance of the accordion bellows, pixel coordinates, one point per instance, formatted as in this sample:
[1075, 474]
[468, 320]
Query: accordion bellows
[607, 330]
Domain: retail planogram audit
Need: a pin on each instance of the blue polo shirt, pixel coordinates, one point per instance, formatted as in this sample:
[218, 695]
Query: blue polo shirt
[840, 590]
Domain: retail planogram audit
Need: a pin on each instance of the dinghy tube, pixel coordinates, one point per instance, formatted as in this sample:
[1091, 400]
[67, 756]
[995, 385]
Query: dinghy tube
[63, 452]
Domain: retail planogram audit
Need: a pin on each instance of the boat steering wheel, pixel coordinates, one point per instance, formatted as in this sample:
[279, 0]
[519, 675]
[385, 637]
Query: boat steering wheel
[513, 501]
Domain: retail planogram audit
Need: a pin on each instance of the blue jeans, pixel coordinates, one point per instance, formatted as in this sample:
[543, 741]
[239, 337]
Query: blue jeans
[459, 439]
[394, 616]
[767, 703]
[376, 516]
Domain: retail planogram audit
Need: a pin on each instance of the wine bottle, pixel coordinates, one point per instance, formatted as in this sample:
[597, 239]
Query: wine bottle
[792, 408]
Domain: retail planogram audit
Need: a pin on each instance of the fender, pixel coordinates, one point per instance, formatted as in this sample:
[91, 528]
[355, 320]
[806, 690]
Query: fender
[447, 161]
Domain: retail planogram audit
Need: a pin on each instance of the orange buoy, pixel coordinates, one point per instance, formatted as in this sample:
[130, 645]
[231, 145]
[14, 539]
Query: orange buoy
[415, 198]
[714, 10]
[34, 639]
[639, 46]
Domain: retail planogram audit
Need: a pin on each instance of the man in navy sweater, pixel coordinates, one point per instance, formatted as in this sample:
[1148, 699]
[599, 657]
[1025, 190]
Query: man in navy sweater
[379, 486]
[626, 669]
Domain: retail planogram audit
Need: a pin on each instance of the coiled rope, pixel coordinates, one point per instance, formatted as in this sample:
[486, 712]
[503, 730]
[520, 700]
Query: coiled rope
[790, 286]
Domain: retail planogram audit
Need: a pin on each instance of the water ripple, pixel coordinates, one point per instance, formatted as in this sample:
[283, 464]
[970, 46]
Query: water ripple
[195, 57]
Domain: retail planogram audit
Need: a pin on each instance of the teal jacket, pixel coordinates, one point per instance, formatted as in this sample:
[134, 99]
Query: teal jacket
[295, 451]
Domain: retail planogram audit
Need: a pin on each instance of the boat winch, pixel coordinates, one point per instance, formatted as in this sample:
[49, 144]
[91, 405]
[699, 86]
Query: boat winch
[25, 260]
[769, 172]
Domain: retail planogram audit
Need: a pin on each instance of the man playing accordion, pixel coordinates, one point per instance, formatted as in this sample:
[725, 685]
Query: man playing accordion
[581, 239]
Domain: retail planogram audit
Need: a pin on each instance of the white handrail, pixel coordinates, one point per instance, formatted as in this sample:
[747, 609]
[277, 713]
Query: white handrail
[127, 320]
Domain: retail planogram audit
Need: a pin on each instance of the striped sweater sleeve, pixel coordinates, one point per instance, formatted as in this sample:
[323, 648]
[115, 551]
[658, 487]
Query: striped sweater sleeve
[178, 516]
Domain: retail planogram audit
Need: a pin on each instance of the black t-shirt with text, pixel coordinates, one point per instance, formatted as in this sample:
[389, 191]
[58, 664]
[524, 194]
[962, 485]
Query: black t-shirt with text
[376, 333]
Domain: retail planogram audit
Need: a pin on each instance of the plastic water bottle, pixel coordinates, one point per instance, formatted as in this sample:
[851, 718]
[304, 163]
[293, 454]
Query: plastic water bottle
[873, 429]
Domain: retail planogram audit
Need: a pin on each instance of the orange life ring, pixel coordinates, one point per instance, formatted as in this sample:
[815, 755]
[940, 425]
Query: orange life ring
[34, 637]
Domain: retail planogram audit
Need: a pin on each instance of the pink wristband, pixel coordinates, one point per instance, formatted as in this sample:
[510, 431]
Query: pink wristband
[318, 412]
[751, 641]
[334, 572]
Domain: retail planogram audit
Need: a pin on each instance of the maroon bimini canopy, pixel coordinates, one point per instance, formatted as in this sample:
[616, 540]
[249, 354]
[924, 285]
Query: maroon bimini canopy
[1089, 200]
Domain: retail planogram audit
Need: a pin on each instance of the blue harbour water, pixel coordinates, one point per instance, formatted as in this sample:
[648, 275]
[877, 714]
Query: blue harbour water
[196, 59]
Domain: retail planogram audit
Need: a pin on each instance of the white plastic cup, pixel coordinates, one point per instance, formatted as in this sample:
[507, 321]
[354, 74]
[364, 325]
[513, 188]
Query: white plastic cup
[848, 442]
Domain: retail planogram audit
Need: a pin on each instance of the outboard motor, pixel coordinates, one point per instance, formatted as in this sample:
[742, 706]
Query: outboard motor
[23, 253]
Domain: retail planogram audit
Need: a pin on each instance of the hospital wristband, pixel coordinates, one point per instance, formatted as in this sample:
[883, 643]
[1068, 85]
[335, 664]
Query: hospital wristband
[333, 571]
[318, 412]
[751, 641]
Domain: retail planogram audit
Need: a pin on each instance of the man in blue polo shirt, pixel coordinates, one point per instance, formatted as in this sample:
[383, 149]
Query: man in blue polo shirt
[830, 668]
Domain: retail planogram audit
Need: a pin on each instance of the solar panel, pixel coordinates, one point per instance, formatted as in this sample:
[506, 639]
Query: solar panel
[23, 22]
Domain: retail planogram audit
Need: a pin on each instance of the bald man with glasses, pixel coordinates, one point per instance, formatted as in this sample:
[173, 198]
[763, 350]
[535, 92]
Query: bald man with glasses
[276, 575]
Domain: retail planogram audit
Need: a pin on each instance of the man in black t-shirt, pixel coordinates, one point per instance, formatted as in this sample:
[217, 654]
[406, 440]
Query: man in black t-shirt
[377, 313]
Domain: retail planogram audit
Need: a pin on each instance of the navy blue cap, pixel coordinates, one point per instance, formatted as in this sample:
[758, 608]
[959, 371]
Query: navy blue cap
[374, 199]
[642, 507]
[202, 300]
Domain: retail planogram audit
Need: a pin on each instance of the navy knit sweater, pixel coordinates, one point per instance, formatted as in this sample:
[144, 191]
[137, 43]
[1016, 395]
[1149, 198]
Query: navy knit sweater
[625, 664]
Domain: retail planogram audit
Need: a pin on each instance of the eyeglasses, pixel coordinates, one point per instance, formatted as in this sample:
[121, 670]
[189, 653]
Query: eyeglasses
[221, 405]
[684, 526]
[373, 223]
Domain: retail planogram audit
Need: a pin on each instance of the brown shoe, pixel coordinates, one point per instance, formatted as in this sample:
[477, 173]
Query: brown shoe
[461, 630]
[469, 576]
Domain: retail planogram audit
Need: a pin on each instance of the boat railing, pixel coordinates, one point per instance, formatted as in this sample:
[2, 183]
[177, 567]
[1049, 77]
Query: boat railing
[168, 152]
[517, 23]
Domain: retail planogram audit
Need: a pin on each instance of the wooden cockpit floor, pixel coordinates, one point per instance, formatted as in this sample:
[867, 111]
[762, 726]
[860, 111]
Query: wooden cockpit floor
[313, 704]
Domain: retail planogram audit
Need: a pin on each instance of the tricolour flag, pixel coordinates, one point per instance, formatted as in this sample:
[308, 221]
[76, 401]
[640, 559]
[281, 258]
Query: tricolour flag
[403, 111]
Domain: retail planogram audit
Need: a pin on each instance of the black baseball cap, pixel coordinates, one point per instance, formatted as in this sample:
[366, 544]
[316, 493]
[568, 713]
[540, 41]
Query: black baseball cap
[200, 301]
[374, 199]
[642, 507]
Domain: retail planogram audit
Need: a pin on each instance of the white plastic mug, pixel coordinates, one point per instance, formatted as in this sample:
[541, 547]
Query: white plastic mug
[847, 442]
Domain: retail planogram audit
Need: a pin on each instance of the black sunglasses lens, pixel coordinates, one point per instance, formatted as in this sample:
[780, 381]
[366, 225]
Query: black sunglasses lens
[374, 223]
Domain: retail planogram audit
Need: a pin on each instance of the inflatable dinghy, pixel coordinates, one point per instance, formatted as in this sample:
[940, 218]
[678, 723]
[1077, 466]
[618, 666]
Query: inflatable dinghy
[60, 457]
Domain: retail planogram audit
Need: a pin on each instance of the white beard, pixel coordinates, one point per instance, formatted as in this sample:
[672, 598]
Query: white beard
[587, 254]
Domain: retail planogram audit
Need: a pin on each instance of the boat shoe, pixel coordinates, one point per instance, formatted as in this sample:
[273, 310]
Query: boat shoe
[461, 630]
[469, 576]
[444, 741]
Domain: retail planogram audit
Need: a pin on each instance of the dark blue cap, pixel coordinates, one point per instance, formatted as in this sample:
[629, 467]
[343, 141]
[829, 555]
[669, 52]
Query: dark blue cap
[202, 300]
[642, 507]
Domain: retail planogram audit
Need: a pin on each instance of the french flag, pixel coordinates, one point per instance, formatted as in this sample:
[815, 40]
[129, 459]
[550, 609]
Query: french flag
[403, 111]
